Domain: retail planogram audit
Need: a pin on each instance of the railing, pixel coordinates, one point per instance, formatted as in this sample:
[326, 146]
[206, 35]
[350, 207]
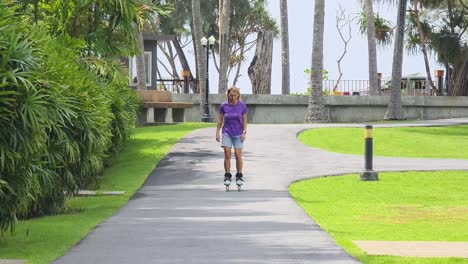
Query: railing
[330, 87]
[175, 85]
[346, 87]
[409, 87]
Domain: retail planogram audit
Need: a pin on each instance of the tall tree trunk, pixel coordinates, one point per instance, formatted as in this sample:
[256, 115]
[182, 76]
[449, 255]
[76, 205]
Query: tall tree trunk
[140, 60]
[460, 87]
[167, 51]
[224, 31]
[285, 73]
[316, 108]
[394, 102]
[185, 66]
[372, 49]
[450, 13]
[449, 75]
[260, 68]
[422, 43]
[200, 54]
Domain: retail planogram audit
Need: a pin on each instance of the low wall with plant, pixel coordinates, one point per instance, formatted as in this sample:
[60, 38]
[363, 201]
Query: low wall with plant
[290, 109]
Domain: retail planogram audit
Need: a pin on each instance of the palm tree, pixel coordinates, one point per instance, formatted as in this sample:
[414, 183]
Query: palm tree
[383, 29]
[415, 19]
[285, 74]
[316, 108]
[199, 54]
[371, 39]
[394, 102]
[446, 37]
[224, 32]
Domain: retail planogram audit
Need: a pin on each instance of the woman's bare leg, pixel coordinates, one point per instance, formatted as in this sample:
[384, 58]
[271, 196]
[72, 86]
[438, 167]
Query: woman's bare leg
[227, 159]
[239, 163]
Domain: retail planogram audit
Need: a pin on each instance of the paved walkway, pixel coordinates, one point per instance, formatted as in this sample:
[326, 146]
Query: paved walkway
[182, 214]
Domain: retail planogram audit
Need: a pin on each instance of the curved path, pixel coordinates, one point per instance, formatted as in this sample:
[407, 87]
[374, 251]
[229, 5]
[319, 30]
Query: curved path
[182, 214]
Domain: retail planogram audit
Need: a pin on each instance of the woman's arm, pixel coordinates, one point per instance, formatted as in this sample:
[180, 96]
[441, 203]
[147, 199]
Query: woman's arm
[244, 126]
[218, 126]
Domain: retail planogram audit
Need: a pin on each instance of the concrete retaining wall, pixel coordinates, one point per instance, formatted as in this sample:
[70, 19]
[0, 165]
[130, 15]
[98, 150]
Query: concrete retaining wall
[290, 109]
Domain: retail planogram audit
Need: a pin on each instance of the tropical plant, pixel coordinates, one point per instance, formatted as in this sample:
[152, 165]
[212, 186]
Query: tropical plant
[324, 73]
[439, 26]
[61, 114]
[308, 72]
[417, 33]
[443, 26]
[383, 28]
[22, 122]
[378, 31]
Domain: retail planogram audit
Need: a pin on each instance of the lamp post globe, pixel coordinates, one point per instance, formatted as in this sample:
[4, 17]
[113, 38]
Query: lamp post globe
[207, 43]
[204, 41]
[211, 41]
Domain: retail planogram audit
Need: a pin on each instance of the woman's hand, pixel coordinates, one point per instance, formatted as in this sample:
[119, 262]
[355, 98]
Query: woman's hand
[243, 136]
[217, 137]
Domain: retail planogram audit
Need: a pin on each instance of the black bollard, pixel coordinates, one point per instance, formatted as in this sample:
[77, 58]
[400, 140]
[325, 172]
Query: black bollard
[368, 140]
[368, 174]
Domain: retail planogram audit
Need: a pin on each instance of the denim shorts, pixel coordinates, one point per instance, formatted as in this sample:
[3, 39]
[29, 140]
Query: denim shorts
[232, 141]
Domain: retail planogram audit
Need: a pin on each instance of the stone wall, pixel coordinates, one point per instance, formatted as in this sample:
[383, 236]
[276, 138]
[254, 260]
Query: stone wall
[290, 109]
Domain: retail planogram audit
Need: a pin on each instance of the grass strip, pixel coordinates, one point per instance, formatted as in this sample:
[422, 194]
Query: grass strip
[421, 142]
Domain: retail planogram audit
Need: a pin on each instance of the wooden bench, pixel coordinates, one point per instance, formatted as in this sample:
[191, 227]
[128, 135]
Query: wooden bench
[153, 99]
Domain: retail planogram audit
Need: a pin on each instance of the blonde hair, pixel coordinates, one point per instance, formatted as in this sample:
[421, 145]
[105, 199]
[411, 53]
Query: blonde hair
[233, 89]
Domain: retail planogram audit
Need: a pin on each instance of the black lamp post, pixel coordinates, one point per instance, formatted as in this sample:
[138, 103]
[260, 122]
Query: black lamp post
[207, 43]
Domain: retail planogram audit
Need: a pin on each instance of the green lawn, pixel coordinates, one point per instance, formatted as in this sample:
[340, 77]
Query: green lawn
[409, 206]
[424, 142]
[42, 240]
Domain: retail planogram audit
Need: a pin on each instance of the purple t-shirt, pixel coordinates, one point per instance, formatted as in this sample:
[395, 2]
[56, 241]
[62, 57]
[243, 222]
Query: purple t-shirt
[233, 117]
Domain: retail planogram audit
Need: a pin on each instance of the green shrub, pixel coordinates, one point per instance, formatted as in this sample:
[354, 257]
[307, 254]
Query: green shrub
[60, 118]
[22, 122]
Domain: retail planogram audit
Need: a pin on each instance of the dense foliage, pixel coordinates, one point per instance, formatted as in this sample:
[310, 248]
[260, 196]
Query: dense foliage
[63, 111]
[441, 26]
